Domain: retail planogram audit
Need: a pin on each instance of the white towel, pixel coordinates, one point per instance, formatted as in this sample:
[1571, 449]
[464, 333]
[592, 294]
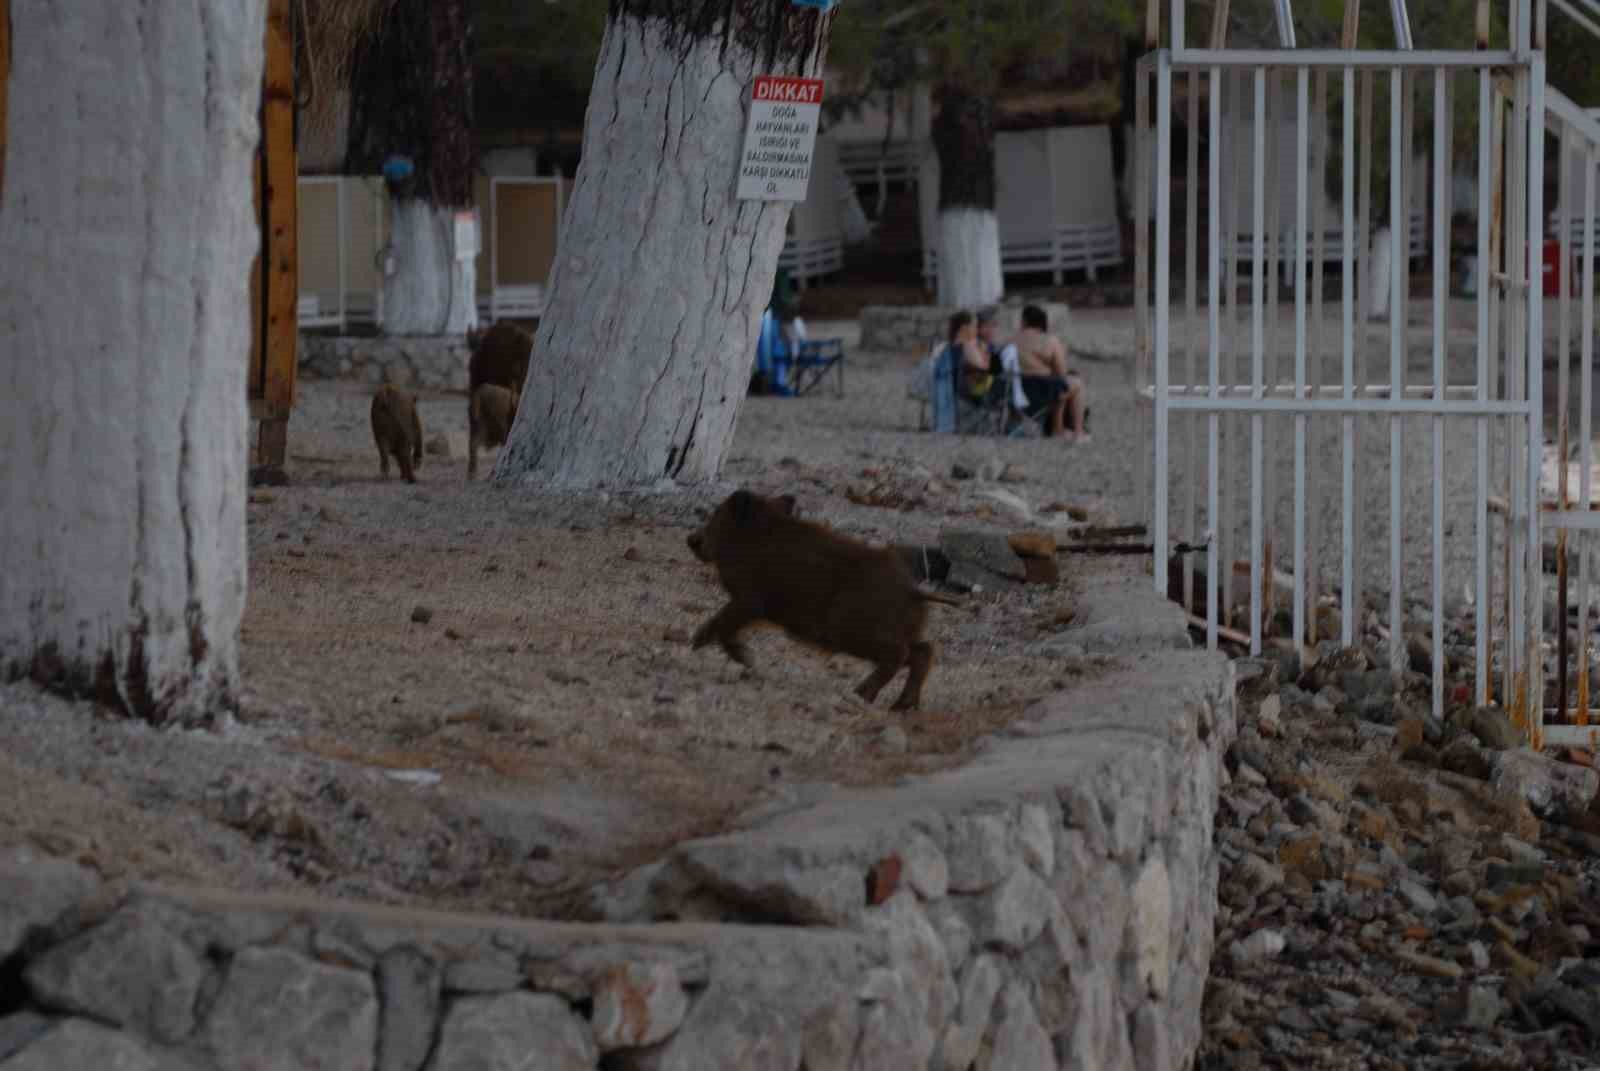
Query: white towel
[1013, 368]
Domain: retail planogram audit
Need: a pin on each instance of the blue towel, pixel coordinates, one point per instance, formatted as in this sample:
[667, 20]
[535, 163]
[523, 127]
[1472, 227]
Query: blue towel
[943, 392]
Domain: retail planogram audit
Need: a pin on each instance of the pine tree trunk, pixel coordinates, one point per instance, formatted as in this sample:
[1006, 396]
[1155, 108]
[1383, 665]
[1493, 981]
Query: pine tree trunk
[412, 96]
[644, 356]
[969, 233]
[127, 232]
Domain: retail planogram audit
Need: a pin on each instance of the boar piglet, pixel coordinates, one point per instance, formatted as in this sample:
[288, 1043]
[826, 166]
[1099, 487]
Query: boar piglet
[821, 587]
[489, 420]
[397, 430]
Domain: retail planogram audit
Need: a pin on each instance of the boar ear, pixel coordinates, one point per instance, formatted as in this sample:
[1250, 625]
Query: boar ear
[787, 503]
[743, 502]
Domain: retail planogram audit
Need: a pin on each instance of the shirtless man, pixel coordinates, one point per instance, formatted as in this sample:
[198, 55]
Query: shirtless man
[1042, 360]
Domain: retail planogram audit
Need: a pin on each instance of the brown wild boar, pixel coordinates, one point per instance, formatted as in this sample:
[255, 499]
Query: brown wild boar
[819, 586]
[500, 356]
[397, 430]
[489, 418]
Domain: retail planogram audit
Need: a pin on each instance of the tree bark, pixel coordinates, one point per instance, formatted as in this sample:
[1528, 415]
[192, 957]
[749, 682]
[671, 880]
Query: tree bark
[126, 237]
[969, 233]
[644, 356]
[412, 96]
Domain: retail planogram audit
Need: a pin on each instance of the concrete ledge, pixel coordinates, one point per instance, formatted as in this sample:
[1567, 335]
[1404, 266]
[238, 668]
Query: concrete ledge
[1050, 904]
[436, 362]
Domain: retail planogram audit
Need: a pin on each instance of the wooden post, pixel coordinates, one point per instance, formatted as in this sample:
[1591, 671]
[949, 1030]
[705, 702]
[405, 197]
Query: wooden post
[275, 279]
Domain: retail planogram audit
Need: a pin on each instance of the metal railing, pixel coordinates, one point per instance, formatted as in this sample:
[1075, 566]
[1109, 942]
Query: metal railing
[1238, 392]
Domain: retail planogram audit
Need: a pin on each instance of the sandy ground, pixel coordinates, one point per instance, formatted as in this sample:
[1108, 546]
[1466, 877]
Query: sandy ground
[472, 697]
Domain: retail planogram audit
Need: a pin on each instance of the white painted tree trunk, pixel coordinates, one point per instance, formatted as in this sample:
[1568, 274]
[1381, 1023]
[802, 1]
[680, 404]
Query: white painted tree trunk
[423, 294]
[969, 258]
[126, 235]
[644, 357]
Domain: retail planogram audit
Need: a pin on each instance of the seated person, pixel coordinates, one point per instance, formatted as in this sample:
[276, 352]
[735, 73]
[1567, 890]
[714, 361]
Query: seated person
[977, 367]
[1046, 380]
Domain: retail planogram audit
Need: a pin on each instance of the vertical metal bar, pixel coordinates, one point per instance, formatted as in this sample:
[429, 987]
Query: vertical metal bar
[1285, 20]
[1191, 254]
[1347, 361]
[1178, 20]
[1257, 346]
[1236, 350]
[1141, 275]
[1535, 208]
[1272, 354]
[1323, 430]
[1398, 158]
[1586, 394]
[1352, 23]
[1441, 279]
[1499, 383]
[1302, 132]
[1163, 305]
[1564, 198]
[1516, 343]
[1213, 351]
[1402, 24]
[1486, 194]
[1366, 374]
[1152, 25]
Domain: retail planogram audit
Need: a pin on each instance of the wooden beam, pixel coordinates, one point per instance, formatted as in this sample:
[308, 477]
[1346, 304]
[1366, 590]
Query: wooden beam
[279, 234]
[1152, 25]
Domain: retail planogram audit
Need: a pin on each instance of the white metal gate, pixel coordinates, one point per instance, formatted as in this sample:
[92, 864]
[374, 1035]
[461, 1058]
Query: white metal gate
[1336, 394]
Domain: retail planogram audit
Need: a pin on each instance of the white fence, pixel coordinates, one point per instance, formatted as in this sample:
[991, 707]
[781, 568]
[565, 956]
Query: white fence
[1267, 437]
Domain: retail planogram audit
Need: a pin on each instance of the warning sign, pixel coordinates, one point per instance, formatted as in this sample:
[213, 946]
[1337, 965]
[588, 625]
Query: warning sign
[780, 139]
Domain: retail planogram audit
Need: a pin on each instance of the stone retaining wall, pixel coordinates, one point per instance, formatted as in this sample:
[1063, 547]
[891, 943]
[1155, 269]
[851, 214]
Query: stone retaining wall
[1051, 904]
[439, 362]
[913, 328]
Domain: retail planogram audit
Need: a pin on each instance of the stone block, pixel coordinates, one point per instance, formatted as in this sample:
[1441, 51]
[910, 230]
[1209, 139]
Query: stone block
[1552, 789]
[636, 1005]
[730, 1030]
[129, 970]
[512, 1032]
[80, 1045]
[279, 1011]
[409, 985]
[36, 893]
[1019, 1041]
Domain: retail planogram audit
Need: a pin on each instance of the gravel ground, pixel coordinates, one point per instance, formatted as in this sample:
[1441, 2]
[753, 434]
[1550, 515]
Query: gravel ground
[464, 696]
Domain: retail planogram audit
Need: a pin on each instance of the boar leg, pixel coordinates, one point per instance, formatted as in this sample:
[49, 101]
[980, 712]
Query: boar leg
[407, 469]
[383, 463]
[881, 675]
[921, 661]
[724, 627]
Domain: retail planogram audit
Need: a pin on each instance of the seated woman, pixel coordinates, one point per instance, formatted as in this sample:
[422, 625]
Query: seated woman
[978, 365]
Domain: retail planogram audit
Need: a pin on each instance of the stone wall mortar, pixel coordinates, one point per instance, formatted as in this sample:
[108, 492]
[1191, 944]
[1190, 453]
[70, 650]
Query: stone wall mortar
[1048, 905]
[437, 363]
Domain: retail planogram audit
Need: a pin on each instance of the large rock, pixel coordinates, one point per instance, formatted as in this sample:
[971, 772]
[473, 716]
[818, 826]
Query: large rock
[829, 1039]
[279, 1011]
[1012, 915]
[514, 1032]
[915, 949]
[1150, 929]
[894, 1036]
[1493, 729]
[962, 1038]
[129, 971]
[637, 1004]
[989, 551]
[1553, 789]
[409, 984]
[730, 1030]
[1019, 1042]
[79, 1045]
[34, 894]
[980, 850]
